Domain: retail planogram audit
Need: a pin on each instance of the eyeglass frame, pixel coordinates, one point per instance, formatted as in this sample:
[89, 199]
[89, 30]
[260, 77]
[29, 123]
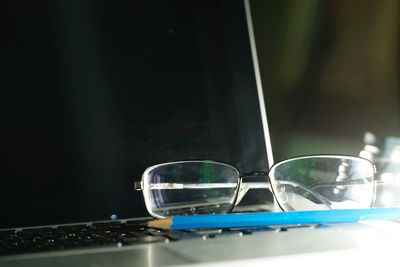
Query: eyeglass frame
[240, 191]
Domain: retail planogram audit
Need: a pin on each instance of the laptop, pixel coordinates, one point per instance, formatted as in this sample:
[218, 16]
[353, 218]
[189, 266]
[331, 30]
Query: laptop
[96, 91]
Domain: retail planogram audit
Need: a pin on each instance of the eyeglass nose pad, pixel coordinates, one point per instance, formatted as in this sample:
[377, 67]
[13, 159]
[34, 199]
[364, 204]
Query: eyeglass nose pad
[242, 191]
[281, 190]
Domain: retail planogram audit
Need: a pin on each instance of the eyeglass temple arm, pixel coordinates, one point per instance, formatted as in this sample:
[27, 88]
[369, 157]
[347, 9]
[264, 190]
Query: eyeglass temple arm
[138, 185]
[318, 196]
[255, 185]
[246, 186]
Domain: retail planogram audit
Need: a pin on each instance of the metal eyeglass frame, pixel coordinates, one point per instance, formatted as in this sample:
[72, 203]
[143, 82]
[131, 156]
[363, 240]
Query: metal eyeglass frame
[243, 187]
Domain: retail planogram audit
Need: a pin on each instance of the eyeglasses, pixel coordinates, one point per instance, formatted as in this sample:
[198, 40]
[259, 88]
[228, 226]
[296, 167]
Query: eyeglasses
[197, 187]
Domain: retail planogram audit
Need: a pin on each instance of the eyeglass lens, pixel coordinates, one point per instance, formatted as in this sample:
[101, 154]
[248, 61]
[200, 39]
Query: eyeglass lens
[315, 183]
[305, 183]
[190, 188]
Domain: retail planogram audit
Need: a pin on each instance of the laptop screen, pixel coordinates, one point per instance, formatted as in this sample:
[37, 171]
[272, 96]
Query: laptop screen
[93, 92]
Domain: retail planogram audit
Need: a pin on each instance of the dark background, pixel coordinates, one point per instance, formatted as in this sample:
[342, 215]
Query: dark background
[330, 70]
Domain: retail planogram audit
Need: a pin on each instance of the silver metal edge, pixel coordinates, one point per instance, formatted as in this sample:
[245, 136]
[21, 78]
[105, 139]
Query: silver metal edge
[259, 84]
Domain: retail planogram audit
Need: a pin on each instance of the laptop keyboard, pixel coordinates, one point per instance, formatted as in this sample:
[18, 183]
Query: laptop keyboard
[102, 234]
[77, 236]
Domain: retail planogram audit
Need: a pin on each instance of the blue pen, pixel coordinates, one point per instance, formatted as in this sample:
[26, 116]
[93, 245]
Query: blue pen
[276, 218]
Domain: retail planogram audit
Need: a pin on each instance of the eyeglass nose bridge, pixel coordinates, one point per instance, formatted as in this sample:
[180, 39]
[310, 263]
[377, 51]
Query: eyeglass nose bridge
[244, 187]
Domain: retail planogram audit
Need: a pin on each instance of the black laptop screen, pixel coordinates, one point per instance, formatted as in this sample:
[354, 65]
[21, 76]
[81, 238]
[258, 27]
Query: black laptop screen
[93, 92]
